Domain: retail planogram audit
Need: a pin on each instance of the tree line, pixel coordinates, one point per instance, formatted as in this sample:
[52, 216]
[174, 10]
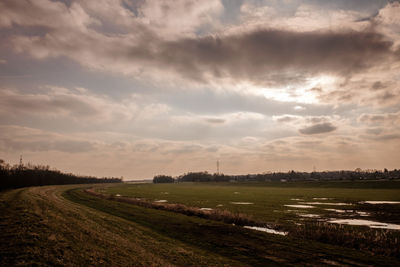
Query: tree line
[36, 175]
[357, 174]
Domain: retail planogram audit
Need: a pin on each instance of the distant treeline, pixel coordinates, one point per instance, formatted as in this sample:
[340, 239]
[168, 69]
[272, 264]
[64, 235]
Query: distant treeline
[159, 179]
[358, 174]
[34, 175]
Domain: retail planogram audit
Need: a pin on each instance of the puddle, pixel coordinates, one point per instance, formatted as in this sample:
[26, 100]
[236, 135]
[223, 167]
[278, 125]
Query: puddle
[209, 209]
[117, 195]
[326, 203]
[380, 202]
[161, 201]
[294, 211]
[267, 230]
[300, 206]
[164, 193]
[336, 210]
[236, 193]
[297, 199]
[309, 215]
[220, 205]
[363, 213]
[242, 203]
[371, 224]
[321, 198]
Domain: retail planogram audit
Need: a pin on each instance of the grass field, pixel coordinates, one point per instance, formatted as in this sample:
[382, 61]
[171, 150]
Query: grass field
[63, 225]
[305, 210]
[268, 200]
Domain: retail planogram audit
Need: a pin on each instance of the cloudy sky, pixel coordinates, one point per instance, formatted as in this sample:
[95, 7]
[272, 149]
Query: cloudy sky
[135, 88]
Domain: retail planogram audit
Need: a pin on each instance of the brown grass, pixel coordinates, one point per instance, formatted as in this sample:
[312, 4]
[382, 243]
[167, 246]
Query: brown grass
[38, 227]
[379, 241]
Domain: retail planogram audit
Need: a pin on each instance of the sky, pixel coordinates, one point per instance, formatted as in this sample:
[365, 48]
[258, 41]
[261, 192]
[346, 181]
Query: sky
[136, 88]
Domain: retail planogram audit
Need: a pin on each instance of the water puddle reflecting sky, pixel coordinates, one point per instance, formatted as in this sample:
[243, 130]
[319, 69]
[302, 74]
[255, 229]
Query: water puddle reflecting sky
[267, 230]
[371, 224]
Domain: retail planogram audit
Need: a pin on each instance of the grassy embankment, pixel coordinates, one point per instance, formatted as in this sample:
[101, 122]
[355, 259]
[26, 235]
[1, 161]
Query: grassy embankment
[63, 225]
[39, 226]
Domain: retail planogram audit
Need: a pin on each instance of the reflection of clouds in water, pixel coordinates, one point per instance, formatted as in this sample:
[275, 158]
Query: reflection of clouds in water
[371, 224]
[309, 215]
[267, 230]
[207, 209]
[380, 202]
[300, 206]
[327, 203]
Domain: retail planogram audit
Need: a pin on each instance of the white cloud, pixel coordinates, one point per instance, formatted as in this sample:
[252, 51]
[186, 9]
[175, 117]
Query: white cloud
[307, 17]
[65, 103]
[387, 119]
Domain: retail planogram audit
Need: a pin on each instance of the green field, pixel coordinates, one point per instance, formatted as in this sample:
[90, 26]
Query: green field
[64, 225]
[268, 199]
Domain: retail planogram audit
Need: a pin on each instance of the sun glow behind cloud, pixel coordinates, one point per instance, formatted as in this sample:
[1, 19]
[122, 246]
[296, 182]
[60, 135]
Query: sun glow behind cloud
[303, 93]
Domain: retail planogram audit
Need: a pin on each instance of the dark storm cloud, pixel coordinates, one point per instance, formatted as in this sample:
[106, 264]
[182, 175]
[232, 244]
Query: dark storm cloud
[257, 55]
[318, 128]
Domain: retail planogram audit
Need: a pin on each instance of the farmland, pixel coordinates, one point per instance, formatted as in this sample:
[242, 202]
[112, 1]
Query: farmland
[266, 201]
[64, 225]
[340, 213]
